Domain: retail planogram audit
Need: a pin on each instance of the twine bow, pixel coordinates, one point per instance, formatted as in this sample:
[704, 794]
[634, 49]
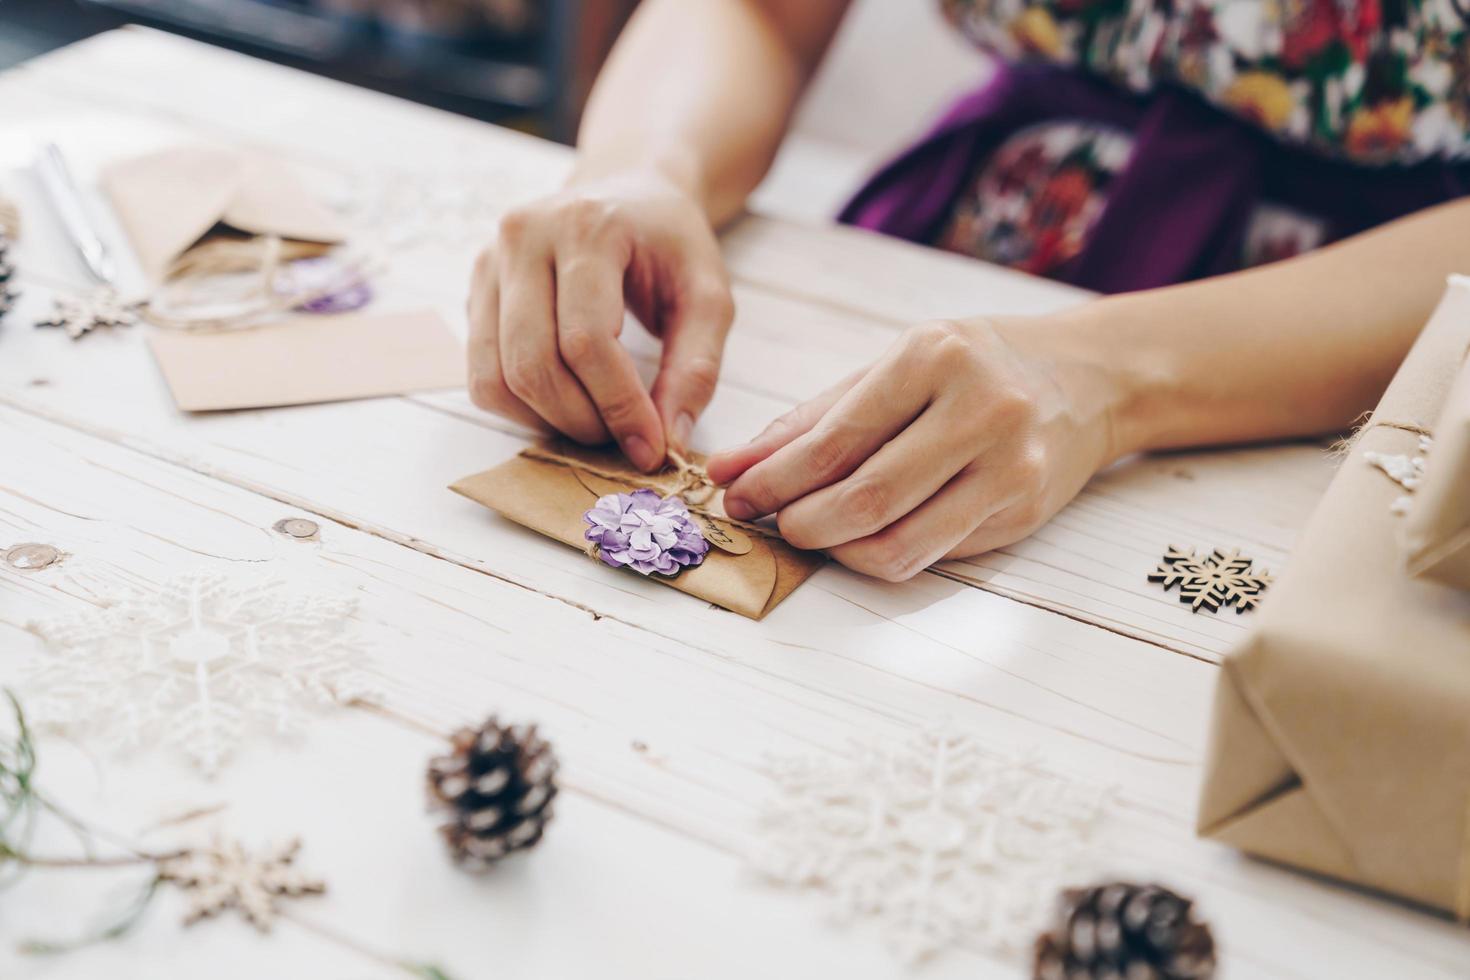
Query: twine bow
[692, 483]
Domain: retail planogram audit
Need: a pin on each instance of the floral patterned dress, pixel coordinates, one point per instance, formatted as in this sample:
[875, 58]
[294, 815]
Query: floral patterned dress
[1367, 98]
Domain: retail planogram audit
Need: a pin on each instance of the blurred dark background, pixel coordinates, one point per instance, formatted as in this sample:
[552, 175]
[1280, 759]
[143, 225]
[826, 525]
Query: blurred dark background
[523, 63]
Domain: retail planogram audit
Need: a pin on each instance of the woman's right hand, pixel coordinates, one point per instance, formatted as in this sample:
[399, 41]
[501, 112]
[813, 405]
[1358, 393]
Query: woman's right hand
[546, 309]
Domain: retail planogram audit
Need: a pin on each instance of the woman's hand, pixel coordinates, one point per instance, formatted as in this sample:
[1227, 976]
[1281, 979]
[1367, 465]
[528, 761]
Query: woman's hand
[964, 437]
[546, 309]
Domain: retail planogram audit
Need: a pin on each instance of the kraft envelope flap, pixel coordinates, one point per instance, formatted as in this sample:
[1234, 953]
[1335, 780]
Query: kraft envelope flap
[551, 498]
[1340, 730]
[167, 201]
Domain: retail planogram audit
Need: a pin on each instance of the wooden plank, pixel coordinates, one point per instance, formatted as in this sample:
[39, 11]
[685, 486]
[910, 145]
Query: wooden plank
[668, 733]
[385, 464]
[869, 656]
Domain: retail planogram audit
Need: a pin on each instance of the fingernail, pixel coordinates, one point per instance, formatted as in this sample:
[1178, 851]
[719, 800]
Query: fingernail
[739, 509]
[640, 452]
[683, 425]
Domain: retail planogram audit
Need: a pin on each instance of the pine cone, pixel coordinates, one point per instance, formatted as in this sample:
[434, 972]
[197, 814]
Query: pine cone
[1121, 931]
[497, 786]
[8, 295]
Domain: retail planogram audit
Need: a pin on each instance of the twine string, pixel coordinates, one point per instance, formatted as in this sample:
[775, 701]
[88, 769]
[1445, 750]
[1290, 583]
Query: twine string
[689, 478]
[264, 259]
[1343, 446]
[1413, 427]
[693, 483]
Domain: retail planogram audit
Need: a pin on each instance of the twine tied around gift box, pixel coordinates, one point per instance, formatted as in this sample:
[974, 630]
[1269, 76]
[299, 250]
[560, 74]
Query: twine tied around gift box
[1367, 421]
[1342, 447]
[691, 484]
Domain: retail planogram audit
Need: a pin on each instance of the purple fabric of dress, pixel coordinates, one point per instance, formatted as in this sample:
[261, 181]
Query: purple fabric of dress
[1178, 209]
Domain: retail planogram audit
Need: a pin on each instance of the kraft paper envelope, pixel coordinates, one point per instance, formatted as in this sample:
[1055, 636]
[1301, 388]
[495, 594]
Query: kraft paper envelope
[551, 498]
[1437, 530]
[1341, 730]
[168, 201]
[309, 359]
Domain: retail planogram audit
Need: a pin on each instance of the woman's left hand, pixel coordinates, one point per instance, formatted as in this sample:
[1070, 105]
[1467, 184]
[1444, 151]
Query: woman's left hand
[966, 436]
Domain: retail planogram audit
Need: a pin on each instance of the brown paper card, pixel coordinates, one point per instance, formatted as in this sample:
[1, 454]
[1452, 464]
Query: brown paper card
[168, 201]
[1341, 729]
[1437, 529]
[551, 498]
[308, 359]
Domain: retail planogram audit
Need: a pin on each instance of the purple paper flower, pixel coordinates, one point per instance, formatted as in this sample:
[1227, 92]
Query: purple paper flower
[348, 290]
[645, 532]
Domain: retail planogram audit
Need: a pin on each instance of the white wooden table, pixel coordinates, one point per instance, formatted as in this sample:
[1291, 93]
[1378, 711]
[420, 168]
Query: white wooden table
[662, 709]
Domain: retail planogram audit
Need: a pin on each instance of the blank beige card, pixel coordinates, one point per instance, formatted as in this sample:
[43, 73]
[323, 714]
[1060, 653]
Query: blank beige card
[310, 359]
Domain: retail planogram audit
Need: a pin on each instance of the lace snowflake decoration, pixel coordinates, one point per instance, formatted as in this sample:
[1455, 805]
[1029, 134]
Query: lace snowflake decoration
[935, 840]
[1221, 578]
[200, 665]
[457, 207]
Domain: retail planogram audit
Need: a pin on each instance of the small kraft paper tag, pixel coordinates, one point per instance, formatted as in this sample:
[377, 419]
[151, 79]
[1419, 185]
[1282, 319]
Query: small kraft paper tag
[749, 568]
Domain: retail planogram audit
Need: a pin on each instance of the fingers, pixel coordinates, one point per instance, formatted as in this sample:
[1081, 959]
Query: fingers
[725, 466]
[1005, 527]
[487, 386]
[937, 528]
[876, 409]
[693, 346]
[530, 360]
[549, 301]
[589, 314]
[900, 476]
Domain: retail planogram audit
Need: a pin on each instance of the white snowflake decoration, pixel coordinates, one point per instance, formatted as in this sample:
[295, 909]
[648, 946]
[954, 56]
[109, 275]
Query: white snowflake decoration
[1405, 470]
[935, 839]
[200, 664]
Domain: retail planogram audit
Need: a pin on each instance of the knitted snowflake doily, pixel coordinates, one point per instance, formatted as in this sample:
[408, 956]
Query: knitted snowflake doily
[200, 664]
[934, 839]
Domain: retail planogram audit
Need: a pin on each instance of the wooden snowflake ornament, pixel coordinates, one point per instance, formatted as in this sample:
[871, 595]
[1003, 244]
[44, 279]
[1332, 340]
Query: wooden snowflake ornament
[79, 315]
[225, 876]
[1223, 578]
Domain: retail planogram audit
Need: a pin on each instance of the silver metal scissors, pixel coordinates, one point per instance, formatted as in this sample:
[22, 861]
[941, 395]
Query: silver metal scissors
[57, 180]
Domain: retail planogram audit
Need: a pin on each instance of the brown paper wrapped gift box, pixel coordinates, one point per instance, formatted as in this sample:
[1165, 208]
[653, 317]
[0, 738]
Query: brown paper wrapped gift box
[1341, 731]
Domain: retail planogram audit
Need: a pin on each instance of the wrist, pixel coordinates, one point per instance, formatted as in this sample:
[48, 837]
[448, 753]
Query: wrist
[1111, 377]
[1142, 373]
[677, 167]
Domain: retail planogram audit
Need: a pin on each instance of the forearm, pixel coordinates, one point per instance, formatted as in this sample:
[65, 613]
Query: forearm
[1299, 347]
[702, 91]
